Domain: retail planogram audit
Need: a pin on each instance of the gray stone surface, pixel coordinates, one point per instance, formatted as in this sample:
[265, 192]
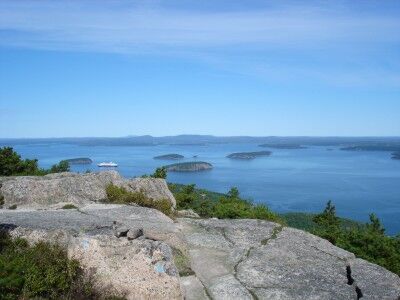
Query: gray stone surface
[55, 190]
[187, 213]
[240, 259]
[121, 231]
[374, 281]
[134, 233]
[192, 288]
[92, 219]
[231, 259]
[301, 265]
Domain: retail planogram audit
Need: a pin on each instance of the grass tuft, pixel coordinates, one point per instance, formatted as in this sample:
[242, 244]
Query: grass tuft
[120, 195]
[69, 206]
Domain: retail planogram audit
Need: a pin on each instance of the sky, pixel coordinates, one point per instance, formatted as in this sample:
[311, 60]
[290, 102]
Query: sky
[261, 68]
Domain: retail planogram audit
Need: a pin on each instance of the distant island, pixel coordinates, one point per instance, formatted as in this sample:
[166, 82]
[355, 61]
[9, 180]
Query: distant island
[79, 161]
[171, 156]
[192, 166]
[396, 155]
[283, 146]
[249, 155]
[373, 147]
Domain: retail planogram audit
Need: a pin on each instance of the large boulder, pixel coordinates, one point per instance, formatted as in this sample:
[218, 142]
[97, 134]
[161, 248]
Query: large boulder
[252, 259]
[155, 188]
[78, 189]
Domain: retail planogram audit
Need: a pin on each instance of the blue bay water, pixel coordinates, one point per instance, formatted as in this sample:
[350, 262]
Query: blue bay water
[289, 180]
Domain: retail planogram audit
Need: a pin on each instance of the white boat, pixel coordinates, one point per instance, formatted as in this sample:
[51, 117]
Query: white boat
[107, 164]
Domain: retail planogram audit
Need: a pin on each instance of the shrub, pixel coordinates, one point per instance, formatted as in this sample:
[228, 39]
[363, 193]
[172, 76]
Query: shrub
[120, 195]
[224, 206]
[368, 242]
[160, 173]
[62, 166]
[14, 206]
[182, 263]
[42, 271]
[39, 271]
[186, 197]
[235, 208]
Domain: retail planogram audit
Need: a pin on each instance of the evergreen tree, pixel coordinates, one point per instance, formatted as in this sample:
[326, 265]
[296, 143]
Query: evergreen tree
[328, 224]
[160, 173]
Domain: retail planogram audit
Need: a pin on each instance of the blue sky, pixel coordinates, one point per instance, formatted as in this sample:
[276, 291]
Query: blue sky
[116, 68]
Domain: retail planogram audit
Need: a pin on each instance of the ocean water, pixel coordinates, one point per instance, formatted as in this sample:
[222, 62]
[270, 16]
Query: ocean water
[358, 183]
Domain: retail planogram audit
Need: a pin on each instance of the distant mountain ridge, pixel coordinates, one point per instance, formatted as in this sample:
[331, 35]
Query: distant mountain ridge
[187, 139]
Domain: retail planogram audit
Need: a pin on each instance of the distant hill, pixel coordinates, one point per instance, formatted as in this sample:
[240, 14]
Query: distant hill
[148, 140]
[249, 155]
[283, 146]
[373, 147]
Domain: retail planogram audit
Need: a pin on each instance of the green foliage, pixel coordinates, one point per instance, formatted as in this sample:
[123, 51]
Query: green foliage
[236, 208]
[40, 271]
[304, 221]
[11, 164]
[224, 206]
[233, 193]
[368, 242]
[182, 263]
[186, 197]
[14, 206]
[160, 173]
[1, 200]
[328, 223]
[69, 206]
[120, 195]
[62, 166]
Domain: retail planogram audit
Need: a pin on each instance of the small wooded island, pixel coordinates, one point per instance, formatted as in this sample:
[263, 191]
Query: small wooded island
[373, 147]
[79, 161]
[396, 155]
[191, 166]
[283, 146]
[172, 156]
[249, 155]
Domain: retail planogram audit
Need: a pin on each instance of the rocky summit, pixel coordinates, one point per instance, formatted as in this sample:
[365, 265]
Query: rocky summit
[143, 254]
[54, 190]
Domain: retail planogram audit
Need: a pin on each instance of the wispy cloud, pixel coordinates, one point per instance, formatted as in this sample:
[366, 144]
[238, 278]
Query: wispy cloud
[104, 27]
[118, 27]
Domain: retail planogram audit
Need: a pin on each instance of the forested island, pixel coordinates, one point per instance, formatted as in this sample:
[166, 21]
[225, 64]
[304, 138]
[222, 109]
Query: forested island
[249, 155]
[172, 156]
[79, 161]
[192, 166]
[373, 147]
[396, 155]
[283, 146]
